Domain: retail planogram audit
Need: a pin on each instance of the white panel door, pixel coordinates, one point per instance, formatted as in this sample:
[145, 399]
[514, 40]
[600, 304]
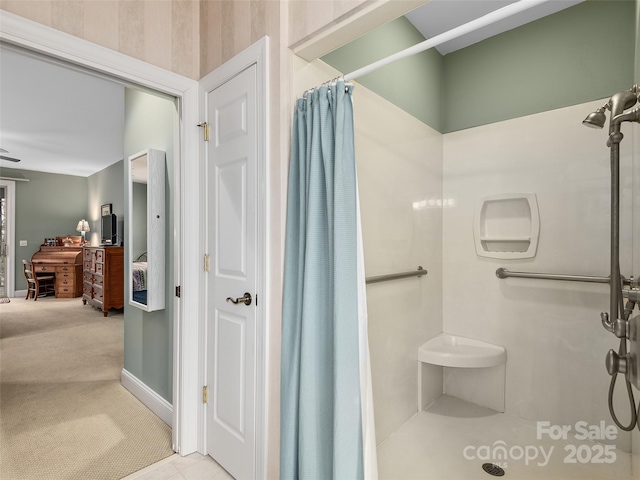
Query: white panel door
[231, 223]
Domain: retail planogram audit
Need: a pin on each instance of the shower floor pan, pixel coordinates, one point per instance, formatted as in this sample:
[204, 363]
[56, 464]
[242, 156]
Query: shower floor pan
[452, 439]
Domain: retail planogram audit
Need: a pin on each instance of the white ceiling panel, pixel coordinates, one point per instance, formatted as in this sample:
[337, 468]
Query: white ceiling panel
[439, 16]
[58, 120]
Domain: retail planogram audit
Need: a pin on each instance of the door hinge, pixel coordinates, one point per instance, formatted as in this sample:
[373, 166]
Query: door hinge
[205, 394]
[206, 262]
[178, 291]
[205, 125]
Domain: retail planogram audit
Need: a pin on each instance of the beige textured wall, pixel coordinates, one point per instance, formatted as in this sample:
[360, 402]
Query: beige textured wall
[230, 26]
[162, 32]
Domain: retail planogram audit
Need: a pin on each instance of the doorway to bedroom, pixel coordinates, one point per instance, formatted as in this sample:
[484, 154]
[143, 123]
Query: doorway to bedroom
[71, 383]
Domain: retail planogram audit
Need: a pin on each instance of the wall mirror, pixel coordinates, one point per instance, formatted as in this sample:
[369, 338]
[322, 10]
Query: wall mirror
[146, 232]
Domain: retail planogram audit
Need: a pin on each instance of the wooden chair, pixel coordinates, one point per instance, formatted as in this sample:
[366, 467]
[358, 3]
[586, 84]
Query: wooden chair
[37, 285]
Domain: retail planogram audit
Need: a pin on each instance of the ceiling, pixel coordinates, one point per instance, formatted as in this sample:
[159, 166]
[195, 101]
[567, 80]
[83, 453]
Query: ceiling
[439, 16]
[58, 120]
[61, 120]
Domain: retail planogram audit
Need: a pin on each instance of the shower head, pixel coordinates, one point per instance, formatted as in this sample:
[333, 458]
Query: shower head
[596, 119]
[618, 103]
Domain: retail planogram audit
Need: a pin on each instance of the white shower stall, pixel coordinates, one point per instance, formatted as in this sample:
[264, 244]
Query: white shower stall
[421, 192]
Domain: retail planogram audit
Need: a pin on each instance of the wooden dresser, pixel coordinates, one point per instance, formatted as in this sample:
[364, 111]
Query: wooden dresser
[65, 263]
[103, 277]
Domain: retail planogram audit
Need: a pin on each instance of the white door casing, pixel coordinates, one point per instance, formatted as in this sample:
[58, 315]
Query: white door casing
[236, 364]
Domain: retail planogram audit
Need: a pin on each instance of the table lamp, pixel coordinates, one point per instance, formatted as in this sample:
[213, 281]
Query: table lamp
[82, 227]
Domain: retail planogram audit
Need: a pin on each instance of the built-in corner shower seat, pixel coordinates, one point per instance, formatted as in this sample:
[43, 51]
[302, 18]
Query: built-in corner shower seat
[458, 355]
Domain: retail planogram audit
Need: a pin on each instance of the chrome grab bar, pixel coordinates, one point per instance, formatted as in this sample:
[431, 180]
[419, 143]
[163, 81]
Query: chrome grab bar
[504, 273]
[394, 276]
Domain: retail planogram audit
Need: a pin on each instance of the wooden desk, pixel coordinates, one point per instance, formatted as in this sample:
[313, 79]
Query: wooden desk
[66, 264]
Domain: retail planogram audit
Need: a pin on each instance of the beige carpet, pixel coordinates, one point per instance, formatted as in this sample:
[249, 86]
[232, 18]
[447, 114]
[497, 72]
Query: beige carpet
[63, 412]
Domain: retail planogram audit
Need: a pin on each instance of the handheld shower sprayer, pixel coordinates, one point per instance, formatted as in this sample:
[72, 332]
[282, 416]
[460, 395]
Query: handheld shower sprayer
[617, 320]
[623, 100]
[596, 119]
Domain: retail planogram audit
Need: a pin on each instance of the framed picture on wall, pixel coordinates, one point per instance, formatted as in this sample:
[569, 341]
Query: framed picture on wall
[106, 209]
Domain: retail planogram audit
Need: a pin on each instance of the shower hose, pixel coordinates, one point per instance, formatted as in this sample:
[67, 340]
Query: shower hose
[627, 310]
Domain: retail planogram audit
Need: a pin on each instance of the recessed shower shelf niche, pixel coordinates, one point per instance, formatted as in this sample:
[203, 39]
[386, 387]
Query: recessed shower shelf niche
[507, 226]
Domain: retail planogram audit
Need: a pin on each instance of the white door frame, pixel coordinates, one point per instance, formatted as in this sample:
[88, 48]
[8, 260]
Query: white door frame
[187, 208]
[10, 185]
[255, 54]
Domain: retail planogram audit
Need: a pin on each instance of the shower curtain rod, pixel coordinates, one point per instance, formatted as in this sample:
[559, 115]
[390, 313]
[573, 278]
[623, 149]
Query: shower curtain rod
[456, 32]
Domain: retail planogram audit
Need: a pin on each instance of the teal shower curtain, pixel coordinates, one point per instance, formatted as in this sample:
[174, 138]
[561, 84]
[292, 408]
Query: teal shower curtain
[321, 401]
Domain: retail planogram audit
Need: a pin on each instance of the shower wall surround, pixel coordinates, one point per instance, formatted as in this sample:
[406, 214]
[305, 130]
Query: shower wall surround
[399, 162]
[552, 332]
[419, 191]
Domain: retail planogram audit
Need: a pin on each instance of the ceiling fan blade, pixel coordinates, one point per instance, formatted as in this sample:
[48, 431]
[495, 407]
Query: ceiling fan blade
[2, 157]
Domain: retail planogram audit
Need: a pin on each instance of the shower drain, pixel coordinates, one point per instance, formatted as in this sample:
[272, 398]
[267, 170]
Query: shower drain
[493, 469]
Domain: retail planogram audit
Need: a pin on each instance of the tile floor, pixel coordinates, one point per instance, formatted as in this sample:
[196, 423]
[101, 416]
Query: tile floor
[431, 446]
[175, 467]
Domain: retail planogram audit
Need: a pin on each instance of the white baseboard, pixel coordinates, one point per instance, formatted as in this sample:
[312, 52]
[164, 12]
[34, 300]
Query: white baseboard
[19, 293]
[148, 397]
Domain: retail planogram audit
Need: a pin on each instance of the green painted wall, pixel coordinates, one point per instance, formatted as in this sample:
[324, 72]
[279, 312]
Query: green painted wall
[106, 186]
[151, 122]
[48, 205]
[580, 54]
[413, 84]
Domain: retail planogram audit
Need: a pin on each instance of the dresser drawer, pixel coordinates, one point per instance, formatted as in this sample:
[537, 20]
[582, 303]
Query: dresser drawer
[65, 268]
[64, 280]
[87, 255]
[97, 293]
[98, 268]
[44, 268]
[87, 288]
[98, 280]
[87, 277]
[100, 256]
